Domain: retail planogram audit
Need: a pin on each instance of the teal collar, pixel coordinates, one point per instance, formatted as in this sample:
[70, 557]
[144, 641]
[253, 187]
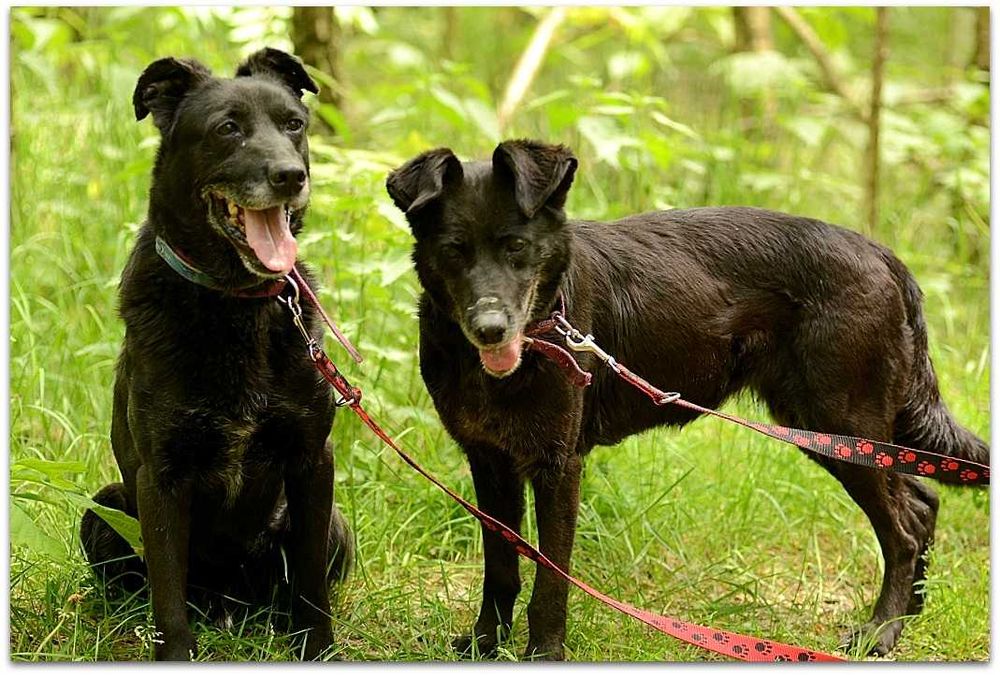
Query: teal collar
[178, 263]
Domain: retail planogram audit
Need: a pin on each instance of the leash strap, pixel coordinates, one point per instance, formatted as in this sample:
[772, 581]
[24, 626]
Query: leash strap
[865, 452]
[742, 647]
[314, 301]
[733, 645]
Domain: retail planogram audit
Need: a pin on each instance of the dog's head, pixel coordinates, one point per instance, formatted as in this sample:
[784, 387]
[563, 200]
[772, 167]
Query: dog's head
[491, 241]
[232, 172]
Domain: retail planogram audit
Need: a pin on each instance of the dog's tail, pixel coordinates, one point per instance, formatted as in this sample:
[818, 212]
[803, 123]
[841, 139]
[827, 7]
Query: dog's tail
[924, 421]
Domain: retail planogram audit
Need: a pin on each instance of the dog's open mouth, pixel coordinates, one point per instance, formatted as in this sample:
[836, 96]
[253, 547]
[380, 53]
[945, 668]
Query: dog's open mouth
[266, 232]
[504, 359]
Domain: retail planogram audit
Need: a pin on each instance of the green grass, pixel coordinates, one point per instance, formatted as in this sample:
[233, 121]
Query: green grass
[711, 524]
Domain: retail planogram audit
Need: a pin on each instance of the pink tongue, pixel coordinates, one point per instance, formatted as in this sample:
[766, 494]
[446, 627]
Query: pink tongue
[270, 238]
[503, 358]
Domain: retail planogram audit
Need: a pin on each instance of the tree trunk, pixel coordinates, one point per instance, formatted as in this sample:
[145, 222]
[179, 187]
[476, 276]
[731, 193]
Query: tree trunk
[316, 35]
[753, 34]
[753, 29]
[874, 115]
[811, 40]
[981, 59]
[528, 65]
[450, 35]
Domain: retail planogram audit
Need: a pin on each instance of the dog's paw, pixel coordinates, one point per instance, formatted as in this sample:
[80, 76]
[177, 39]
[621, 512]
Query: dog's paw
[181, 647]
[471, 647]
[544, 652]
[873, 639]
[317, 640]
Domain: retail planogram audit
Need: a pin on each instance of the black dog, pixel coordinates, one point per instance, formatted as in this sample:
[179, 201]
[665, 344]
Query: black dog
[220, 421]
[822, 324]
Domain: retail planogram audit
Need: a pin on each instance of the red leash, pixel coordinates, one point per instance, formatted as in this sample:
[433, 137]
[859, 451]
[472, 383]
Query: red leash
[734, 645]
[872, 454]
[301, 282]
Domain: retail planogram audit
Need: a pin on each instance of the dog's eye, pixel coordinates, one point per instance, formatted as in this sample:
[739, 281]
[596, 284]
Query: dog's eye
[294, 125]
[228, 128]
[452, 251]
[515, 244]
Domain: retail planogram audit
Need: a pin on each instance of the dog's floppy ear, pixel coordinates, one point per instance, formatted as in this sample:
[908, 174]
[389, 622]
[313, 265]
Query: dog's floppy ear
[542, 173]
[276, 63]
[422, 179]
[163, 85]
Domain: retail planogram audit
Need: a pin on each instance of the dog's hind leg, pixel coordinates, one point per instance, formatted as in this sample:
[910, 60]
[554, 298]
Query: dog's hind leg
[500, 493]
[903, 514]
[112, 559]
[902, 511]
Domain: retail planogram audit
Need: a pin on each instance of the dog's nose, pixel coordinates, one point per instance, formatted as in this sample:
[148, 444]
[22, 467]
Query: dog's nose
[489, 327]
[289, 179]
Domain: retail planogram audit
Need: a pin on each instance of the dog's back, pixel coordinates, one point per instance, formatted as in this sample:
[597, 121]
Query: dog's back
[797, 309]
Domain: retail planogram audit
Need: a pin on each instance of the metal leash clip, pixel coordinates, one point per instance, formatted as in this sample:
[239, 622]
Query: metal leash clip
[579, 342]
[292, 302]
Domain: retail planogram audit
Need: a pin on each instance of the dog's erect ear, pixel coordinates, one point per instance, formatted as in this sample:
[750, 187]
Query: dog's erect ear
[285, 67]
[423, 179]
[163, 85]
[542, 173]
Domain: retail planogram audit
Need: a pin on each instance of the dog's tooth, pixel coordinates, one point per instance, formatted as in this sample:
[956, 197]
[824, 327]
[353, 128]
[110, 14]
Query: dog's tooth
[233, 209]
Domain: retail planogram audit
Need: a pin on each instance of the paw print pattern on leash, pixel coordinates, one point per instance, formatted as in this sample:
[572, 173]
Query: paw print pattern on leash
[968, 475]
[865, 447]
[883, 460]
[764, 648]
[876, 454]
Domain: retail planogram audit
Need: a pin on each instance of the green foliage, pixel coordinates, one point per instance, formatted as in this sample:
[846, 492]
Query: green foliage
[708, 524]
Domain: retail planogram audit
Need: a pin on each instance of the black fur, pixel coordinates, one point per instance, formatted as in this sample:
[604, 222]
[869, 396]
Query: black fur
[220, 421]
[821, 323]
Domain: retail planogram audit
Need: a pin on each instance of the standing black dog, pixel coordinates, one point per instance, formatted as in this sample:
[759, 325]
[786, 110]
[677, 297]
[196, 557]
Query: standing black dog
[220, 421]
[821, 323]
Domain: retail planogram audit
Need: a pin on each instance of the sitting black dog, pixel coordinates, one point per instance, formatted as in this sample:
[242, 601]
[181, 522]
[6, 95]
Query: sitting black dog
[824, 325]
[220, 421]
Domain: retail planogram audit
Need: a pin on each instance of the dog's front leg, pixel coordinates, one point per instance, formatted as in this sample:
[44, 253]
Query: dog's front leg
[500, 493]
[309, 490]
[557, 499]
[165, 520]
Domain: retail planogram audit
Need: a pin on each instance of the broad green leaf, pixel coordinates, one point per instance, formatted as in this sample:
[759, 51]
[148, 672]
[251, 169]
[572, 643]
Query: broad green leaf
[50, 468]
[606, 137]
[25, 532]
[121, 522]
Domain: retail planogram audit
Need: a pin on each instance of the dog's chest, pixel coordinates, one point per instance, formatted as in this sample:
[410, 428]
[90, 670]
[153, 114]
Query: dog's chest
[533, 423]
[222, 449]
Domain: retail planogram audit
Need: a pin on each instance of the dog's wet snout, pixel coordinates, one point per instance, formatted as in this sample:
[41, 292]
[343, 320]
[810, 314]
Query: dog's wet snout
[287, 178]
[489, 327]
